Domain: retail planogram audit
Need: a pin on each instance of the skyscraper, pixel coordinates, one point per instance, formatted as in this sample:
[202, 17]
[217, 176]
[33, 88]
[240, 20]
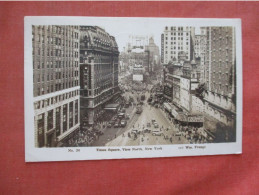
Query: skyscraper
[220, 74]
[98, 72]
[174, 40]
[55, 82]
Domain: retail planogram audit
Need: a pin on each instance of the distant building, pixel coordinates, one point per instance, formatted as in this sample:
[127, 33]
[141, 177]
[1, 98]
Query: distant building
[200, 50]
[98, 72]
[137, 43]
[220, 74]
[138, 73]
[55, 83]
[170, 70]
[176, 39]
[154, 54]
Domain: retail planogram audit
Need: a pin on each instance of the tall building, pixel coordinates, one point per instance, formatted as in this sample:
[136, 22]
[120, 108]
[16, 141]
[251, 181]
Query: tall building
[154, 54]
[220, 74]
[174, 40]
[98, 72]
[137, 43]
[55, 83]
[200, 49]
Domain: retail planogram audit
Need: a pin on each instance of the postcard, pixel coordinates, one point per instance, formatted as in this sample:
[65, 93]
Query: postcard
[121, 87]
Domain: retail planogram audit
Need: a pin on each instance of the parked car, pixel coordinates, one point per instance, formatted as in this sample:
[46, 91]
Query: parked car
[178, 134]
[135, 131]
[123, 123]
[117, 124]
[157, 133]
[121, 115]
[156, 125]
[109, 125]
[147, 130]
[127, 116]
[139, 110]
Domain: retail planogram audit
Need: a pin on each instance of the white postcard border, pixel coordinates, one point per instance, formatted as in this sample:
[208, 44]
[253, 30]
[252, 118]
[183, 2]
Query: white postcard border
[33, 154]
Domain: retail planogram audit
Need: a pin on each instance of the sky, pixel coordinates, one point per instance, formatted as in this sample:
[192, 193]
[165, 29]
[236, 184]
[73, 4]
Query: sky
[122, 27]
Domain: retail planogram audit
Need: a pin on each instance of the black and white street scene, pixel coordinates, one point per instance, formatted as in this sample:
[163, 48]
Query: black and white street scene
[101, 86]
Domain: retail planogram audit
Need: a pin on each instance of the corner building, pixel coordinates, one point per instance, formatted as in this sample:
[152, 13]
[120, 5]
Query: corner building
[220, 74]
[55, 83]
[99, 57]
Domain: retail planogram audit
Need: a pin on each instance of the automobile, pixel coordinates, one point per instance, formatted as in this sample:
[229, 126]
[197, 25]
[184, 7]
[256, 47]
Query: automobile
[127, 116]
[117, 124]
[112, 122]
[141, 102]
[123, 123]
[109, 125]
[146, 130]
[121, 115]
[135, 131]
[156, 125]
[149, 100]
[157, 133]
[178, 134]
[139, 110]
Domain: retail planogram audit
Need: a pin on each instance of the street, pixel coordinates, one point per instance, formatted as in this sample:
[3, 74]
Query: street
[119, 136]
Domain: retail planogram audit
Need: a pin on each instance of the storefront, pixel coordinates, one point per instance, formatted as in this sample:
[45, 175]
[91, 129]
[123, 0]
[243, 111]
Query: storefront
[112, 107]
[168, 109]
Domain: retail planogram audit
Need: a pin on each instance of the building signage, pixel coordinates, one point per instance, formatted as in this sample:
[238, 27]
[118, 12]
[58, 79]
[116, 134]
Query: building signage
[196, 118]
[137, 77]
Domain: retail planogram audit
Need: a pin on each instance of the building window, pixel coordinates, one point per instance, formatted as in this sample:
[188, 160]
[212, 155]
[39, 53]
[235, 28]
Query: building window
[58, 121]
[65, 117]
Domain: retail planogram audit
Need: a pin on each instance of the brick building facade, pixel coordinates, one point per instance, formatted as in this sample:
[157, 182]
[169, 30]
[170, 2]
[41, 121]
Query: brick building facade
[220, 74]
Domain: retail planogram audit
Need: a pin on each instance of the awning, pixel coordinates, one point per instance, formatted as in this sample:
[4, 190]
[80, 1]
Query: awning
[174, 113]
[195, 118]
[167, 106]
[111, 107]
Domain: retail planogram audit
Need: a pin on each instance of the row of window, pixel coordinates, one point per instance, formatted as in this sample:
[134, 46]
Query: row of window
[62, 30]
[220, 87]
[56, 52]
[53, 100]
[177, 34]
[174, 52]
[58, 76]
[57, 64]
[55, 87]
[177, 28]
[54, 40]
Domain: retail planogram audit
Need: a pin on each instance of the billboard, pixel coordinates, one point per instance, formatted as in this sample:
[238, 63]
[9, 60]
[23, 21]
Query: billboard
[138, 77]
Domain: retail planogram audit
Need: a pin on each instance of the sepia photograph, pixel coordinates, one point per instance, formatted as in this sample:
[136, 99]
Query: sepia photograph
[125, 84]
